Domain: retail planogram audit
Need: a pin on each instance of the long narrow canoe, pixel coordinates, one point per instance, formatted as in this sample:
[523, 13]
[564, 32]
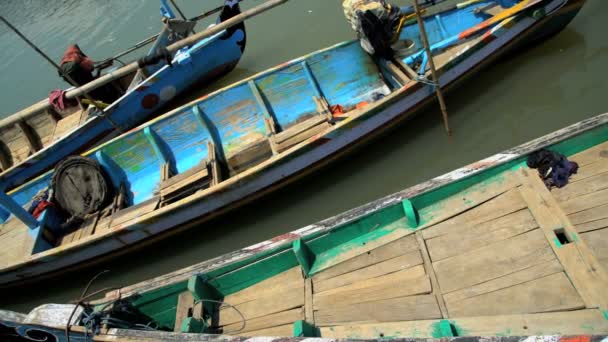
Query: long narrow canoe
[486, 251]
[240, 142]
[35, 139]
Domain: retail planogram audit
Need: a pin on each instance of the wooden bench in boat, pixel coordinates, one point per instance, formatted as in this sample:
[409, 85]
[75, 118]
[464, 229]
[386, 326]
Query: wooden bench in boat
[278, 142]
[300, 132]
[206, 173]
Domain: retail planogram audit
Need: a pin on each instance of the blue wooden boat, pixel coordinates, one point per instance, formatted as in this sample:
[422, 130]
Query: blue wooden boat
[235, 144]
[483, 253]
[35, 139]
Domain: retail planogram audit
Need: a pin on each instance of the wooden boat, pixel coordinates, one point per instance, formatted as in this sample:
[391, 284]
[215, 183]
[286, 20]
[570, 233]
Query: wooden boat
[485, 251]
[36, 138]
[240, 142]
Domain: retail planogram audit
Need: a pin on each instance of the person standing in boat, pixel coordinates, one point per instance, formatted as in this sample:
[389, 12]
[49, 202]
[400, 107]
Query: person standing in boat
[378, 25]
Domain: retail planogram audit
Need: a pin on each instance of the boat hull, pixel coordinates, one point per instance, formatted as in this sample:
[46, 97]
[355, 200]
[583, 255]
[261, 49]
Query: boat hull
[272, 175]
[203, 62]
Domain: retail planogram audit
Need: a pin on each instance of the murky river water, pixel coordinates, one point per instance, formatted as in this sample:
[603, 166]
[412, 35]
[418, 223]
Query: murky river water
[546, 87]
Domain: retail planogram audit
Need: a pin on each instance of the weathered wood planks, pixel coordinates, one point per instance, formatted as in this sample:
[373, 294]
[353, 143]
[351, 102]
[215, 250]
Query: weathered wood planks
[386, 310]
[493, 261]
[598, 243]
[504, 204]
[408, 282]
[410, 259]
[550, 293]
[589, 322]
[478, 236]
[470, 198]
[391, 250]
[291, 278]
[275, 302]
[265, 322]
[582, 267]
[185, 302]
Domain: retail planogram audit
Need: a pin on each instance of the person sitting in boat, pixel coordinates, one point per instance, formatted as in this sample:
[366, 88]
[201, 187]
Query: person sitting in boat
[79, 67]
[378, 25]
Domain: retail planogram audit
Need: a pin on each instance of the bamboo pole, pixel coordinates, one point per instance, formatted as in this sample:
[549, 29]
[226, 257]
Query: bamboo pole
[132, 67]
[425, 41]
[181, 14]
[66, 76]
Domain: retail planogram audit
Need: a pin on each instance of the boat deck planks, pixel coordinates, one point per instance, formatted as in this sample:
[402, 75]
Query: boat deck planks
[488, 262]
[558, 323]
[67, 124]
[12, 244]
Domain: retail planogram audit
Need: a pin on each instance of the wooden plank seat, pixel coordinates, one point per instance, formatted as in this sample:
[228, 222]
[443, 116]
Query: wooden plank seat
[300, 132]
[176, 185]
[205, 174]
[250, 156]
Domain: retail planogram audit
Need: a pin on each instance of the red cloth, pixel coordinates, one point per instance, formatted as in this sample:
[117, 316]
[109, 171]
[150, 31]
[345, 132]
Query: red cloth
[336, 109]
[57, 99]
[362, 104]
[40, 208]
[74, 54]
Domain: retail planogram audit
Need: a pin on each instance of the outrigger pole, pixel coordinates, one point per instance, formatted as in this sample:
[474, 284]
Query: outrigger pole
[61, 72]
[435, 80]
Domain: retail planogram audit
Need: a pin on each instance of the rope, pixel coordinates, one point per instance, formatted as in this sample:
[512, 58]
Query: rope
[84, 296]
[425, 80]
[243, 319]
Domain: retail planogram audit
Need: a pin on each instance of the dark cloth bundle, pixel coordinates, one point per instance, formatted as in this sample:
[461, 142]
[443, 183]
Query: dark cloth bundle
[554, 168]
[380, 31]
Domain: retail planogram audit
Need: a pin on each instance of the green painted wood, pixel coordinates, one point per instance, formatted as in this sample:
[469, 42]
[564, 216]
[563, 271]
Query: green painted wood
[411, 213]
[582, 142]
[356, 228]
[203, 291]
[305, 329]
[445, 328]
[304, 255]
[160, 304]
[193, 325]
[326, 257]
[165, 318]
[255, 272]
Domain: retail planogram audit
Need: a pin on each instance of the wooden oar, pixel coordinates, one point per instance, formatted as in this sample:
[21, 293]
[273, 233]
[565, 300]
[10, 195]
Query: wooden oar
[509, 12]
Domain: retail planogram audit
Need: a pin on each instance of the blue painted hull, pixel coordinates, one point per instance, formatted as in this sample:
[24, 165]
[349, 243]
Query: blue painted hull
[208, 60]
